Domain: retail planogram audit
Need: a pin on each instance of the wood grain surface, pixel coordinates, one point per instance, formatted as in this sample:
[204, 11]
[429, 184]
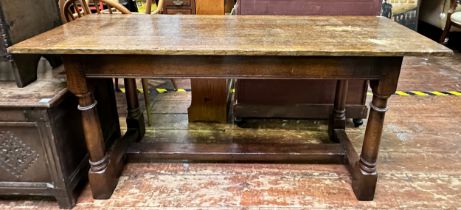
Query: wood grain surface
[231, 35]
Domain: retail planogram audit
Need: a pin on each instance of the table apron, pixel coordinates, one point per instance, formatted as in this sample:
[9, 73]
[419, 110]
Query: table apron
[254, 67]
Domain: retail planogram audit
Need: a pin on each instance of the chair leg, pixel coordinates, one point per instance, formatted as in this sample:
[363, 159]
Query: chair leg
[117, 88]
[145, 88]
[445, 32]
[175, 86]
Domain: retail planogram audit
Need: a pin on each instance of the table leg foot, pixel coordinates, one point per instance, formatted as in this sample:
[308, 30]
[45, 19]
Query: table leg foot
[102, 184]
[364, 185]
[103, 180]
[364, 174]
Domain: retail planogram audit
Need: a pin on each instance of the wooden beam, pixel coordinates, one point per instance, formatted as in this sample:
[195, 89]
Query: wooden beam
[317, 153]
[352, 158]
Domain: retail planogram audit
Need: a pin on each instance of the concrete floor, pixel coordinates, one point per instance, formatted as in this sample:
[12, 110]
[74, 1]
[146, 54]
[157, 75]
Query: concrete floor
[419, 164]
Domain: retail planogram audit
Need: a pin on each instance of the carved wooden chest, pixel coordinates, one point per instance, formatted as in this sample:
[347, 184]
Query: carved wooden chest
[20, 20]
[42, 148]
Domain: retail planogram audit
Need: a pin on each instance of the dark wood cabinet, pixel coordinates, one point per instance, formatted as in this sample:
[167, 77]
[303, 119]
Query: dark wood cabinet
[42, 147]
[178, 2]
[312, 99]
[300, 98]
[183, 7]
[309, 7]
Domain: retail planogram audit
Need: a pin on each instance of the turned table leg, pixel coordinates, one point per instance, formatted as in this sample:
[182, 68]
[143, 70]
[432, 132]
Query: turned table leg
[100, 176]
[338, 116]
[134, 118]
[364, 186]
[365, 174]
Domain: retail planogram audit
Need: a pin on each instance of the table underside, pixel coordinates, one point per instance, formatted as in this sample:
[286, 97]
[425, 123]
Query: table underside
[106, 166]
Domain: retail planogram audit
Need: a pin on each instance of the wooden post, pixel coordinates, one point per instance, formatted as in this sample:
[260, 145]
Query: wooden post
[102, 185]
[338, 116]
[134, 118]
[365, 174]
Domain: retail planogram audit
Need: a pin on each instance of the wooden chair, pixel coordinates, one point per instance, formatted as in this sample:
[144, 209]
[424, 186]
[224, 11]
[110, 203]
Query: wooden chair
[453, 19]
[72, 9]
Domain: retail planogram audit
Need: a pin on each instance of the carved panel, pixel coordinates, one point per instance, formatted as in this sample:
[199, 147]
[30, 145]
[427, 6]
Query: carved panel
[4, 42]
[15, 156]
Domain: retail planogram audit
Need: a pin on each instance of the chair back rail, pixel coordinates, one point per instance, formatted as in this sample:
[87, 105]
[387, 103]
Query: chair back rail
[72, 9]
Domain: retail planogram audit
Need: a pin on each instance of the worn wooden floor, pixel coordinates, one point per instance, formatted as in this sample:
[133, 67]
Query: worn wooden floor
[419, 164]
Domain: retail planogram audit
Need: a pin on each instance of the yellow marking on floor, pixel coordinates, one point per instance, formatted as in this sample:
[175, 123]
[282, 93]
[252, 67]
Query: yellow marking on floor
[161, 90]
[369, 94]
[122, 90]
[438, 93]
[233, 90]
[401, 93]
[181, 90]
[419, 93]
[456, 93]
[140, 90]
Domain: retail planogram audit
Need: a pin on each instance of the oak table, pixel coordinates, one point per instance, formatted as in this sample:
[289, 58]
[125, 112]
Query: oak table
[245, 47]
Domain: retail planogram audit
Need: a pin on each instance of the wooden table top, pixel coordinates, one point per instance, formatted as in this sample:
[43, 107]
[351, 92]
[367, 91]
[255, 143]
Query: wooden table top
[232, 35]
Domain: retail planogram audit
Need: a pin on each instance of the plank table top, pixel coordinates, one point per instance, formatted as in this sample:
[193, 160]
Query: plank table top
[232, 35]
